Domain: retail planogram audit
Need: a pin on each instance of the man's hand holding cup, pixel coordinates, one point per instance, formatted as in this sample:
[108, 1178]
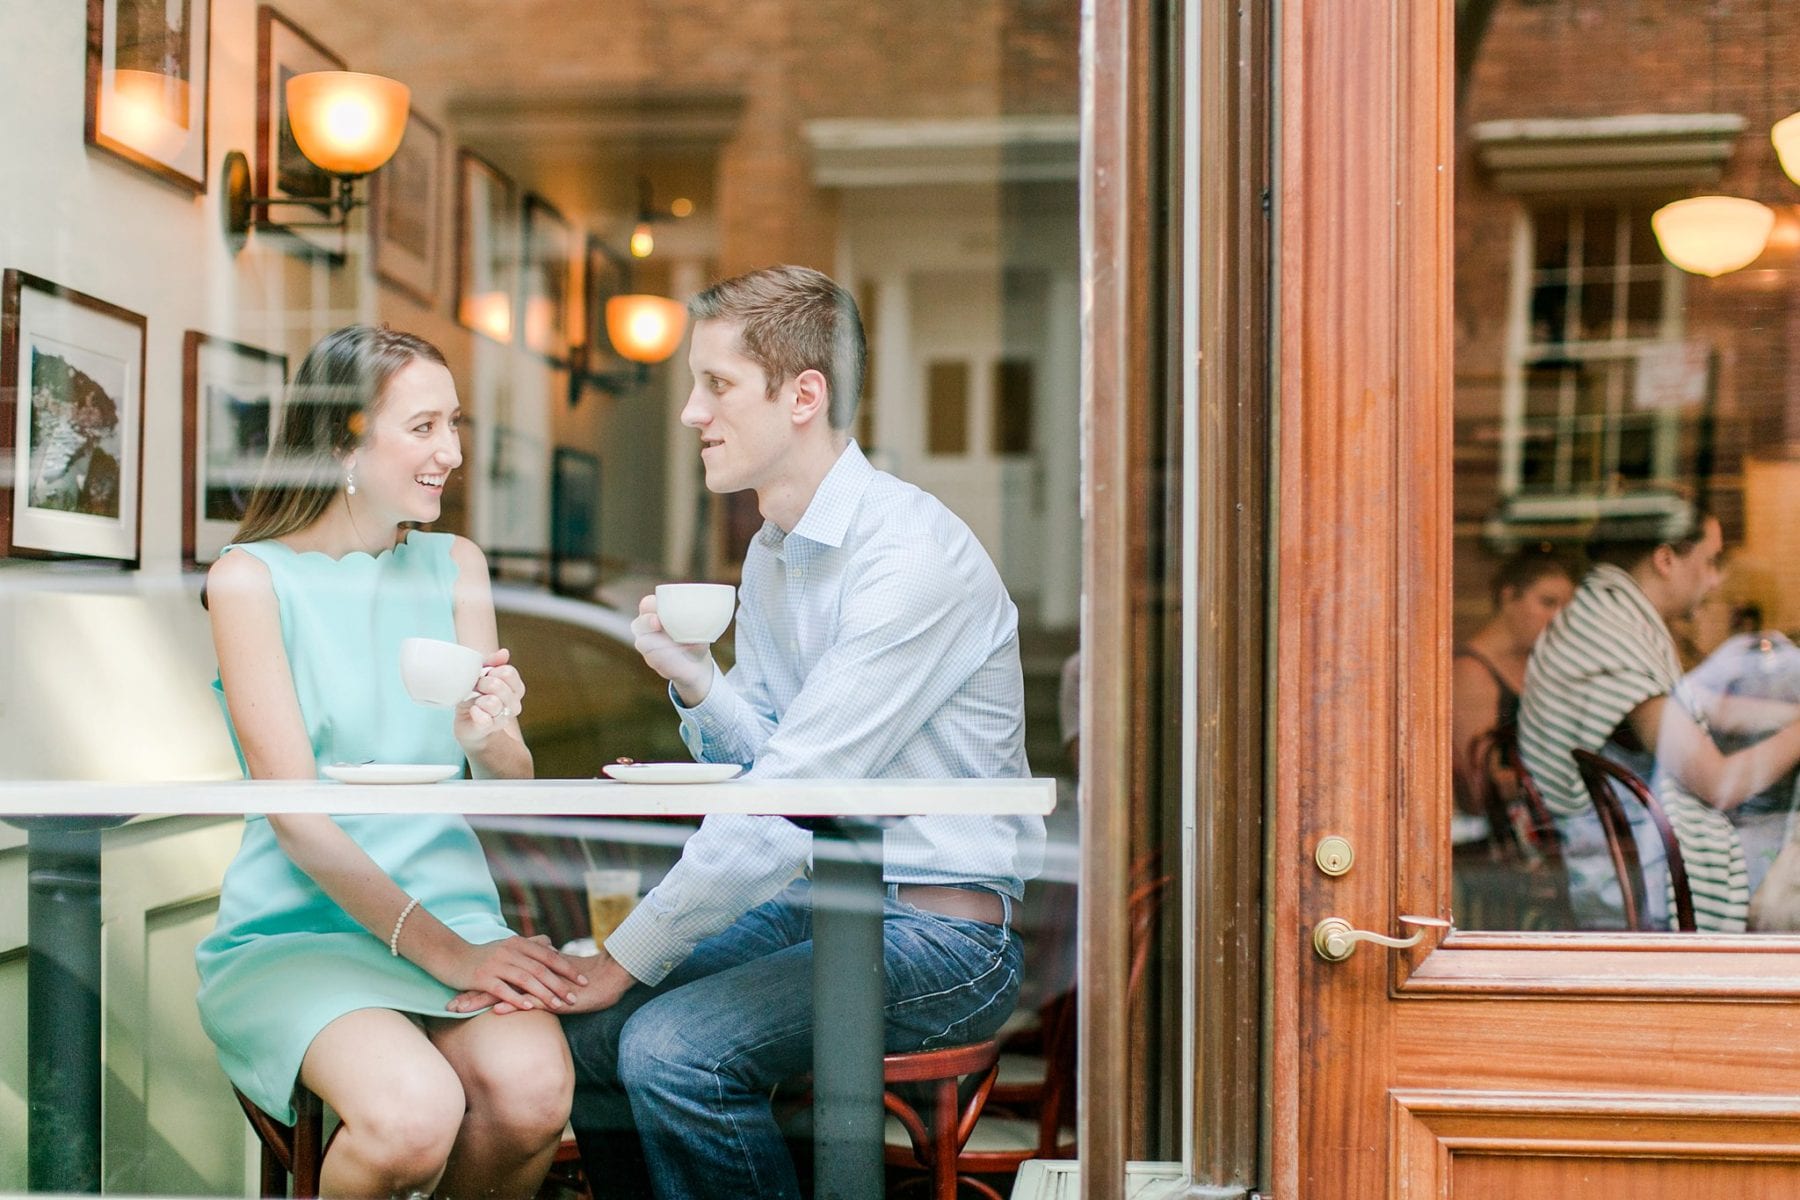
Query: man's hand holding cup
[675, 629]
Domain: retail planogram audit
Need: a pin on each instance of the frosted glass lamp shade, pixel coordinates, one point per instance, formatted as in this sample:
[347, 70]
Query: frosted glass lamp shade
[1711, 235]
[346, 122]
[645, 329]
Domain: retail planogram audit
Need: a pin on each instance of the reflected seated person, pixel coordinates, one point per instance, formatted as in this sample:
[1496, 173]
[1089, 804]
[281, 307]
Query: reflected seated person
[1750, 687]
[1605, 677]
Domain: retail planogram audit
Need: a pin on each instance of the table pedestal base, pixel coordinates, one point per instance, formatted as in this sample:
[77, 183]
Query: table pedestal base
[848, 1030]
[63, 1010]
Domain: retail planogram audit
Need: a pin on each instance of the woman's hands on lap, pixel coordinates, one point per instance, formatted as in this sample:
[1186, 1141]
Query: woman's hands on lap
[522, 972]
[604, 983]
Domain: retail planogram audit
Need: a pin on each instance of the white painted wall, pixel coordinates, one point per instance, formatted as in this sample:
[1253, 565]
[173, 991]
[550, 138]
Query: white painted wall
[95, 223]
[106, 674]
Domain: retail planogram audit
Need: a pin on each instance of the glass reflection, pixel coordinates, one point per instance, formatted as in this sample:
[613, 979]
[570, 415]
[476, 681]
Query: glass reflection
[1627, 454]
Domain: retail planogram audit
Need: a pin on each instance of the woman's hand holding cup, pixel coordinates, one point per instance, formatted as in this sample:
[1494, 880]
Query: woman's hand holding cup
[496, 700]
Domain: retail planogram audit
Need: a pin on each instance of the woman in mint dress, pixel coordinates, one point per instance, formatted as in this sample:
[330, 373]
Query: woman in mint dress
[341, 940]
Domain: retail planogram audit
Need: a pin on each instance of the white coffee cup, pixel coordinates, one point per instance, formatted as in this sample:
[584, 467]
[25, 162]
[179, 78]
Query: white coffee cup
[693, 613]
[438, 674]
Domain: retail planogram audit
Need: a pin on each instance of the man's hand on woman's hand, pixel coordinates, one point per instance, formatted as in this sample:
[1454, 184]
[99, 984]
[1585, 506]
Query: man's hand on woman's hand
[497, 700]
[522, 972]
[688, 667]
[605, 982]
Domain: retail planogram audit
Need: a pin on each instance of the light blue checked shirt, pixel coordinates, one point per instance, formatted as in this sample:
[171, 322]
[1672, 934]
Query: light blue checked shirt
[874, 641]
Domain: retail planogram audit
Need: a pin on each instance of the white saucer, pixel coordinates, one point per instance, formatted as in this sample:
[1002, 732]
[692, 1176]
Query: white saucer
[672, 772]
[392, 772]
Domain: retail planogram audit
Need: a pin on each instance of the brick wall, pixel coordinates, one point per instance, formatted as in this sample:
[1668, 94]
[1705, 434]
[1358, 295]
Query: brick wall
[1594, 58]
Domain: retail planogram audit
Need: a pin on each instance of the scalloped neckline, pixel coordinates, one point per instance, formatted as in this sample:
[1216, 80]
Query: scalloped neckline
[347, 556]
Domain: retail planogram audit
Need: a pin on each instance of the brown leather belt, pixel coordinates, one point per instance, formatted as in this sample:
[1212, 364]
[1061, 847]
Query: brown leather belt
[971, 904]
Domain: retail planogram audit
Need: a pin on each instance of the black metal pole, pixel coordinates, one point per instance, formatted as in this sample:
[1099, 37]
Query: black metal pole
[63, 1010]
[848, 997]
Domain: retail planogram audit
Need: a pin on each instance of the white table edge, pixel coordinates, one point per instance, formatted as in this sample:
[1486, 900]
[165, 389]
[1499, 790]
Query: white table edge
[549, 797]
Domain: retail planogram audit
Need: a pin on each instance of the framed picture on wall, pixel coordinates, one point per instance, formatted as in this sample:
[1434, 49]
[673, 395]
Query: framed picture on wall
[71, 423]
[549, 266]
[146, 85]
[515, 495]
[284, 50]
[406, 198]
[574, 520]
[487, 222]
[606, 274]
[231, 396]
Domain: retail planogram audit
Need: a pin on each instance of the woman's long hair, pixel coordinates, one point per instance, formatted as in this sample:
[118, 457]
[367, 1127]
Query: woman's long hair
[330, 402]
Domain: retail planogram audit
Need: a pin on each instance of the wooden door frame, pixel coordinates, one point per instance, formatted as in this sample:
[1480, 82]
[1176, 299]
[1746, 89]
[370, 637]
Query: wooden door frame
[1363, 526]
[1139, 146]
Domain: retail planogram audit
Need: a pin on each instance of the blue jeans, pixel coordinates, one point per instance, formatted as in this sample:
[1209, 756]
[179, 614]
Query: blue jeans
[690, 1063]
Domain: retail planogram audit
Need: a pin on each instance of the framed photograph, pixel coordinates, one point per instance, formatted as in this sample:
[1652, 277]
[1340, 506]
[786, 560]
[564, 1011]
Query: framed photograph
[607, 274]
[231, 396]
[71, 423]
[146, 85]
[515, 495]
[406, 198]
[574, 521]
[487, 223]
[284, 50]
[549, 266]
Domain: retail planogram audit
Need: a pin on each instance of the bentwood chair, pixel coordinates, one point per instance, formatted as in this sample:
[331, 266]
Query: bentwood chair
[1600, 774]
[1514, 878]
[994, 1140]
[296, 1150]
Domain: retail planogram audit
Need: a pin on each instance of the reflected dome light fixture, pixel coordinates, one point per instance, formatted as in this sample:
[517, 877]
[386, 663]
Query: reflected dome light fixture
[1785, 133]
[1712, 235]
[346, 123]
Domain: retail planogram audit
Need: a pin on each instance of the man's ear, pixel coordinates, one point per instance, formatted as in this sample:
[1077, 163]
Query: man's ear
[1663, 558]
[812, 397]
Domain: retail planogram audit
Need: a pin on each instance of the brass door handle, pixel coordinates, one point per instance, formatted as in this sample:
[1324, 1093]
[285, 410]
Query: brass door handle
[1335, 938]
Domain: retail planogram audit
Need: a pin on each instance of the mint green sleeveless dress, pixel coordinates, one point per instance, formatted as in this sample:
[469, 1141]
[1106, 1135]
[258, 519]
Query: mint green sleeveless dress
[284, 960]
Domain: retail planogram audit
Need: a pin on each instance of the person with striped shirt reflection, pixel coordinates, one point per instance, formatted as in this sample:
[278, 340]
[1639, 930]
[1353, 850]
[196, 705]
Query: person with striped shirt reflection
[1605, 677]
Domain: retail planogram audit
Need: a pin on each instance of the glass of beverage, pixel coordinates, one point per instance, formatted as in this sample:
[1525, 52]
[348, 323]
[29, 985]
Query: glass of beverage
[611, 895]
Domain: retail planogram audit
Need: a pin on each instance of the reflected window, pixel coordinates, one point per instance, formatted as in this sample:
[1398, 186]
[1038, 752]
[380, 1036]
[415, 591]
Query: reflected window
[1599, 300]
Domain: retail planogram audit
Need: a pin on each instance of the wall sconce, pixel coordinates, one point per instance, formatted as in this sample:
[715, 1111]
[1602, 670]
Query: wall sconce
[643, 329]
[347, 124]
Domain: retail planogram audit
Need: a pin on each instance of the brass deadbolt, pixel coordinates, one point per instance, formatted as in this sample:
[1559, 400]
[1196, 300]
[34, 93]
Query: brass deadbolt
[1334, 856]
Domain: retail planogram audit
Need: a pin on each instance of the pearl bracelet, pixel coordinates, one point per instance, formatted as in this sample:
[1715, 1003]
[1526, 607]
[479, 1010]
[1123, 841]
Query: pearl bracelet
[394, 937]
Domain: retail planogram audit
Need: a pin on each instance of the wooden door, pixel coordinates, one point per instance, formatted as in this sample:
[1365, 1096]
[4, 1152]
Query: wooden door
[1474, 1064]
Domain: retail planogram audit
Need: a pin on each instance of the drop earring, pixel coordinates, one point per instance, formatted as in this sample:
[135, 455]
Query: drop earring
[349, 481]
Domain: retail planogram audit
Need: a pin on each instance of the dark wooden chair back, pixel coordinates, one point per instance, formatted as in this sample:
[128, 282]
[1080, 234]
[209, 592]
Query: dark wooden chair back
[1600, 774]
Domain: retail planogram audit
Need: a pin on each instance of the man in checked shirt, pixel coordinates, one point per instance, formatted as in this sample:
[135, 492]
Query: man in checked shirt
[874, 640]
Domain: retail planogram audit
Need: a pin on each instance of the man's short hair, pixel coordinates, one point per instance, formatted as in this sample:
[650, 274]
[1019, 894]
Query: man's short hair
[1627, 540]
[794, 319]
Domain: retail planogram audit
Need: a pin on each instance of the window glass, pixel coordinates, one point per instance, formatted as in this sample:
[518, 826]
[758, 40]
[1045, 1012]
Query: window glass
[1626, 690]
[561, 178]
